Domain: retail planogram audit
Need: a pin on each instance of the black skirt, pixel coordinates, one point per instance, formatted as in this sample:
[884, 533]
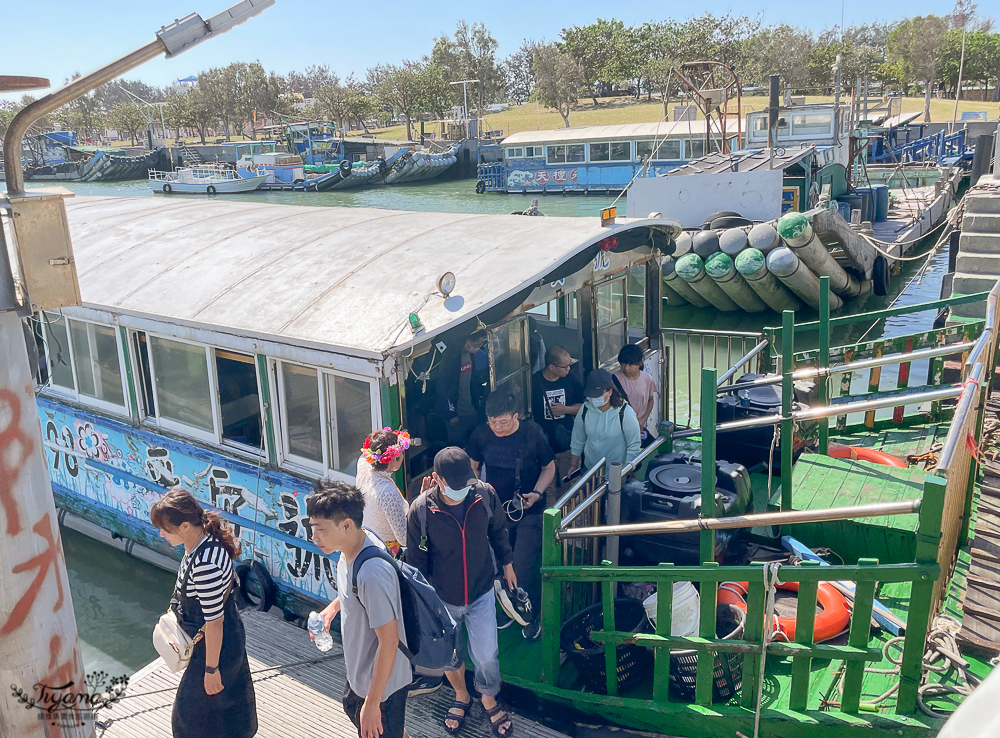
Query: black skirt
[232, 713]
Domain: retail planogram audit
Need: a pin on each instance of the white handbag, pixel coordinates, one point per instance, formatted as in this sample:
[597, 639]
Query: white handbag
[172, 643]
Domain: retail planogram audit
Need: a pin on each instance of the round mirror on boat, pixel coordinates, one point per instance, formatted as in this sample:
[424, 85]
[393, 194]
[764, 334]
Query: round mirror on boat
[446, 283]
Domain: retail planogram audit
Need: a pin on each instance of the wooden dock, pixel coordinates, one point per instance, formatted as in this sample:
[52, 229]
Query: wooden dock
[297, 701]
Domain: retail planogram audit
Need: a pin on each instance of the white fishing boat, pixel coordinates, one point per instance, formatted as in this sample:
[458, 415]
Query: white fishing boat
[203, 181]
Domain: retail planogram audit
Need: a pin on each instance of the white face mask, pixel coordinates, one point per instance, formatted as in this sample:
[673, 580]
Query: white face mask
[456, 494]
[597, 402]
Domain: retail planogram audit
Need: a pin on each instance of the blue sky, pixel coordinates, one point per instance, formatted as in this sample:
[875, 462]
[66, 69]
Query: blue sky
[54, 38]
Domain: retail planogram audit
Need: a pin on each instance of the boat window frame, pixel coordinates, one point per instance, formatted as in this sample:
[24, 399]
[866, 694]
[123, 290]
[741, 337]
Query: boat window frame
[328, 428]
[551, 149]
[226, 442]
[623, 321]
[536, 152]
[660, 144]
[213, 437]
[74, 394]
[511, 155]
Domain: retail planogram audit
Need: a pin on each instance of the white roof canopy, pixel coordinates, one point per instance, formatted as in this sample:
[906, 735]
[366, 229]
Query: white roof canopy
[623, 132]
[323, 277]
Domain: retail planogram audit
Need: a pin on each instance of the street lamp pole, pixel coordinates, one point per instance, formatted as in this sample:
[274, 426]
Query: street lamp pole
[39, 646]
[465, 93]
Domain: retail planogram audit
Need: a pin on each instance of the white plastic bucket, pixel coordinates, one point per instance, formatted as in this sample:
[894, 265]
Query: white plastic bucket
[685, 612]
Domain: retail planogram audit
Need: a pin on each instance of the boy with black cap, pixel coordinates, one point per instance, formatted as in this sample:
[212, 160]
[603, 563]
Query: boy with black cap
[450, 530]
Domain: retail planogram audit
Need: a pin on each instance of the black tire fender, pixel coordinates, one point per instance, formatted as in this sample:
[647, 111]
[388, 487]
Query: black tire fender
[346, 166]
[720, 214]
[167, 188]
[247, 569]
[730, 221]
[480, 187]
[880, 276]
[211, 189]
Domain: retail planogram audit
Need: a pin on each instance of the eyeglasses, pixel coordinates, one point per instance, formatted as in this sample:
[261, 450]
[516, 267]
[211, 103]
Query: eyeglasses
[500, 422]
[561, 366]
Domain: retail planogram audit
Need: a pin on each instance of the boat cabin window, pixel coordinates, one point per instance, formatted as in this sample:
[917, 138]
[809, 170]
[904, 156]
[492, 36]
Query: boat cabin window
[515, 153]
[635, 284]
[324, 417]
[695, 147]
[239, 398]
[530, 151]
[811, 123]
[614, 151]
[566, 153]
[670, 149]
[182, 384]
[510, 360]
[84, 359]
[611, 319]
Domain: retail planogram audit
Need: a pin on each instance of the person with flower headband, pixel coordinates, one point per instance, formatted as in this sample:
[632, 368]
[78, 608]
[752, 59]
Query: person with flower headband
[385, 506]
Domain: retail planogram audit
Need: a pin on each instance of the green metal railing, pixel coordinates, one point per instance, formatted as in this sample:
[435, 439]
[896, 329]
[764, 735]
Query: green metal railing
[933, 552]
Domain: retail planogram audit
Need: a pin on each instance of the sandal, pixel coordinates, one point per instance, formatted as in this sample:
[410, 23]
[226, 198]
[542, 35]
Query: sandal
[502, 727]
[458, 718]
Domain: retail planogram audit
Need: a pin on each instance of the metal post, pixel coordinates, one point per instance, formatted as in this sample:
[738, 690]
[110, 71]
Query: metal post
[787, 425]
[708, 420]
[613, 508]
[772, 116]
[824, 359]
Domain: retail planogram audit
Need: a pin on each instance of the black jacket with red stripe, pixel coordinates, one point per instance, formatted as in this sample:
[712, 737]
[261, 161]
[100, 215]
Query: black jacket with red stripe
[457, 560]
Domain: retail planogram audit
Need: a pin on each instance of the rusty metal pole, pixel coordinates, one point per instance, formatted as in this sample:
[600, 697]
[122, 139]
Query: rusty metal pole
[40, 659]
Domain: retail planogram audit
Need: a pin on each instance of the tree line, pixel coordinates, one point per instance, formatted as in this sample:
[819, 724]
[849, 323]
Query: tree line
[912, 56]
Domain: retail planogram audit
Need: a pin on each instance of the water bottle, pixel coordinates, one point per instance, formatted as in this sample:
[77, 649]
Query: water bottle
[321, 637]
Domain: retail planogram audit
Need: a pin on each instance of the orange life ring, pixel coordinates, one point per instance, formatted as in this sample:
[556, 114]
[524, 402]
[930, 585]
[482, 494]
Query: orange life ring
[831, 622]
[866, 454]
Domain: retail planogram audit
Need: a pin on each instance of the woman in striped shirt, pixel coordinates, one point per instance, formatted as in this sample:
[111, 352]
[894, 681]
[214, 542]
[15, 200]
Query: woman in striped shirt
[215, 697]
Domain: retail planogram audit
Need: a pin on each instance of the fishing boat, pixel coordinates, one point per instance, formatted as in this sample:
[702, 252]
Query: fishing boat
[57, 156]
[764, 223]
[594, 159]
[205, 180]
[274, 367]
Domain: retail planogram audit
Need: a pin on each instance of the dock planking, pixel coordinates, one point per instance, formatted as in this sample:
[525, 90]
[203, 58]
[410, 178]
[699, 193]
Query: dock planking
[302, 700]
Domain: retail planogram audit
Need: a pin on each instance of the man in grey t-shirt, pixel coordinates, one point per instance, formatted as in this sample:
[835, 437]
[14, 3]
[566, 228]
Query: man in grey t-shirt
[371, 625]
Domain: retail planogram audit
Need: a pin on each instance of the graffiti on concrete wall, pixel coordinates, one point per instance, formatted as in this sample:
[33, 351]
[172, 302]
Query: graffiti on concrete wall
[127, 469]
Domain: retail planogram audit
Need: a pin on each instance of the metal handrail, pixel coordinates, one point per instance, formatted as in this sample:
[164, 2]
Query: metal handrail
[761, 345]
[829, 411]
[598, 493]
[585, 505]
[643, 455]
[955, 437]
[595, 469]
[813, 372]
[875, 510]
[975, 370]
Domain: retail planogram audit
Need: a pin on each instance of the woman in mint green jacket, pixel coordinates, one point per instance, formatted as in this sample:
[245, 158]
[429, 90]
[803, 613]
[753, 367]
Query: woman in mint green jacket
[605, 426]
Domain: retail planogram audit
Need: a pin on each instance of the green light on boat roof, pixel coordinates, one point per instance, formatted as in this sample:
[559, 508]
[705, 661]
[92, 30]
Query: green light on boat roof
[415, 325]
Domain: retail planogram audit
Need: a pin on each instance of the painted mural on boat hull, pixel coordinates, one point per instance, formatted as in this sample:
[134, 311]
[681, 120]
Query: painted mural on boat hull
[112, 471]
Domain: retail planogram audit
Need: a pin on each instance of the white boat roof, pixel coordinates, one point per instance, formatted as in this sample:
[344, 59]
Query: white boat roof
[622, 132]
[324, 277]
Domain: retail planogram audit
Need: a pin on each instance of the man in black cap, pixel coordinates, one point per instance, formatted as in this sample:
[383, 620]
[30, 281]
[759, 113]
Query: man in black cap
[450, 531]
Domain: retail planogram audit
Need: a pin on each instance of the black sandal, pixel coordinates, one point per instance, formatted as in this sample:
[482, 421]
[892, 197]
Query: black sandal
[460, 719]
[497, 725]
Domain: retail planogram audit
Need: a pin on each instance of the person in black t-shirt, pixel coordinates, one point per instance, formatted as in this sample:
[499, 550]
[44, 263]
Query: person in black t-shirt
[556, 398]
[513, 455]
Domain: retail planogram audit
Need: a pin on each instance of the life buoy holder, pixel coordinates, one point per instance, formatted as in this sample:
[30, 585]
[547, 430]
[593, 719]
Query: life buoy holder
[831, 622]
[244, 571]
[858, 453]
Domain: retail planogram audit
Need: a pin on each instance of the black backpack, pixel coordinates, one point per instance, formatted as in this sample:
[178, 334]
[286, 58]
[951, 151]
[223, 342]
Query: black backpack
[429, 627]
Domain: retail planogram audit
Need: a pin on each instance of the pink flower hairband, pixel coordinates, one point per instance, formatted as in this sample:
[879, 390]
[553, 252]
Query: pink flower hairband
[394, 451]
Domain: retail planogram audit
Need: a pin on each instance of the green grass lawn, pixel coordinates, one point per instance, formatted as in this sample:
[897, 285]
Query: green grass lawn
[610, 111]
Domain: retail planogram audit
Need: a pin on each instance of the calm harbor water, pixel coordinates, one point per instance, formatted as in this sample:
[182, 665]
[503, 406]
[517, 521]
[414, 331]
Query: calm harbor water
[454, 196]
[118, 598]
